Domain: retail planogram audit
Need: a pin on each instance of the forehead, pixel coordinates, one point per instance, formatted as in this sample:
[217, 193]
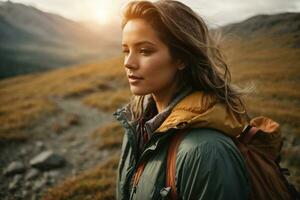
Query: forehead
[137, 30]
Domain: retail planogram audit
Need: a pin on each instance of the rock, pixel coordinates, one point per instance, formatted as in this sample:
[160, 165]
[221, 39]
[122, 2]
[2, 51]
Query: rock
[23, 151]
[52, 174]
[15, 182]
[15, 167]
[28, 184]
[75, 143]
[50, 181]
[47, 160]
[33, 173]
[39, 184]
[17, 178]
[64, 150]
[25, 193]
[46, 176]
[40, 145]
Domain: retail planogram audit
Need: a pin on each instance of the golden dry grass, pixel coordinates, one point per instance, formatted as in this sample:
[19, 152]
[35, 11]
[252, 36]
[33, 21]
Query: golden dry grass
[25, 100]
[95, 184]
[110, 136]
[108, 101]
[16, 115]
[275, 71]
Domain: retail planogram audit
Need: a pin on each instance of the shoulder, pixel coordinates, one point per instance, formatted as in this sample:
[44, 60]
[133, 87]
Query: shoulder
[208, 148]
[208, 157]
[205, 139]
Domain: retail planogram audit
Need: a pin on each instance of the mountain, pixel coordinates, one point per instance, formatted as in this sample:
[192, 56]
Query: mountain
[32, 40]
[278, 25]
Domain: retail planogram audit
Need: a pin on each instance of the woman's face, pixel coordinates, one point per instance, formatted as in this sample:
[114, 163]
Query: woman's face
[147, 58]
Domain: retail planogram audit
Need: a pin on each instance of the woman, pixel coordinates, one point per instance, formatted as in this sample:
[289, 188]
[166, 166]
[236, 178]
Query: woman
[180, 82]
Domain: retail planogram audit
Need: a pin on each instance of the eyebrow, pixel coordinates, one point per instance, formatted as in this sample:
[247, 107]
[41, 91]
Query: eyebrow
[141, 43]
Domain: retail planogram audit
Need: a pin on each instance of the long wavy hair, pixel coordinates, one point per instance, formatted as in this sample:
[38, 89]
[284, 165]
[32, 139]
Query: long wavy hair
[189, 40]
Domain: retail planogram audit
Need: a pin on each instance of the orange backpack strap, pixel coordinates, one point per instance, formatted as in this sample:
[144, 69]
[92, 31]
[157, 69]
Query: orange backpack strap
[248, 134]
[171, 163]
[138, 173]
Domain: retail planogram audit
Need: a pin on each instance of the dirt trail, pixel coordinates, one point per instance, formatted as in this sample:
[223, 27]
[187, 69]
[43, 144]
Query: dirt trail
[74, 143]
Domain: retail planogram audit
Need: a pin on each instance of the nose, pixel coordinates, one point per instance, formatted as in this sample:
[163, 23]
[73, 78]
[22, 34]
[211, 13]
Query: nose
[130, 62]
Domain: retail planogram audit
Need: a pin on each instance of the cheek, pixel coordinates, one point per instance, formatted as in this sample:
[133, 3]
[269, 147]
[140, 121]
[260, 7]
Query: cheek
[159, 71]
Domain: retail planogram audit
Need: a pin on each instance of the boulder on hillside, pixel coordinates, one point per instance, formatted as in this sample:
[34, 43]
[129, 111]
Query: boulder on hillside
[13, 168]
[47, 160]
[32, 174]
[15, 182]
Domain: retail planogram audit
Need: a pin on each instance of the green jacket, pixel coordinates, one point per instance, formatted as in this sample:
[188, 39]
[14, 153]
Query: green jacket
[208, 164]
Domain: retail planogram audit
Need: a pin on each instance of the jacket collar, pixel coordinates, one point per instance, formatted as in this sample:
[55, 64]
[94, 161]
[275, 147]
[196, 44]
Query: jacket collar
[189, 109]
[154, 122]
[152, 119]
[202, 110]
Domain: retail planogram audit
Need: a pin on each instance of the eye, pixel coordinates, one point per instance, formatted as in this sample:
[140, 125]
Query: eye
[125, 51]
[145, 51]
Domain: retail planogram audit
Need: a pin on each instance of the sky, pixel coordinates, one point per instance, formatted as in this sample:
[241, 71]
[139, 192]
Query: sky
[214, 12]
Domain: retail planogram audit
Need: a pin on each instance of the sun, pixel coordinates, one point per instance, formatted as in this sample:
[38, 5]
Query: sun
[104, 13]
[102, 16]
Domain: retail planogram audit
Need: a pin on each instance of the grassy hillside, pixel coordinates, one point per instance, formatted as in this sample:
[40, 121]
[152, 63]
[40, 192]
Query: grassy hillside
[27, 99]
[267, 61]
[275, 71]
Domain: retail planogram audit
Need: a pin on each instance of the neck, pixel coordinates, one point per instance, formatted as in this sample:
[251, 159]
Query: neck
[163, 98]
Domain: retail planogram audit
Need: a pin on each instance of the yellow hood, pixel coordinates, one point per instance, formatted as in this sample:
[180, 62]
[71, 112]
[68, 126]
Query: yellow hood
[202, 110]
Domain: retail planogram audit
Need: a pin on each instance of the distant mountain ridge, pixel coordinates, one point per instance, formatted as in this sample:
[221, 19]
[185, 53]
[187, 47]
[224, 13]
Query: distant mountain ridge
[283, 23]
[38, 24]
[33, 40]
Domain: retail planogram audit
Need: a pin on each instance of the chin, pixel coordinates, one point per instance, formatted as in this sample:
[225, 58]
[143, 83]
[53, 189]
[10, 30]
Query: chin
[138, 91]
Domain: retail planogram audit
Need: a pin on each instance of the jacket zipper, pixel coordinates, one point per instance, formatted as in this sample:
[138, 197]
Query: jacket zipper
[132, 138]
[132, 193]
[134, 187]
[154, 137]
[137, 161]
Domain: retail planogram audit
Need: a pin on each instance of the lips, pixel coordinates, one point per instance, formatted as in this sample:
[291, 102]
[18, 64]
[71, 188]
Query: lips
[134, 77]
[134, 80]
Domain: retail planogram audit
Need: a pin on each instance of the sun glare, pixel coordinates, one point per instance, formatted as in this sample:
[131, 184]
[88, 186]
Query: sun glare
[104, 12]
[103, 16]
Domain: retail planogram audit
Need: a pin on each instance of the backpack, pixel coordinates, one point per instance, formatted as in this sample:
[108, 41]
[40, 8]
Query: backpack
[260, 145]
